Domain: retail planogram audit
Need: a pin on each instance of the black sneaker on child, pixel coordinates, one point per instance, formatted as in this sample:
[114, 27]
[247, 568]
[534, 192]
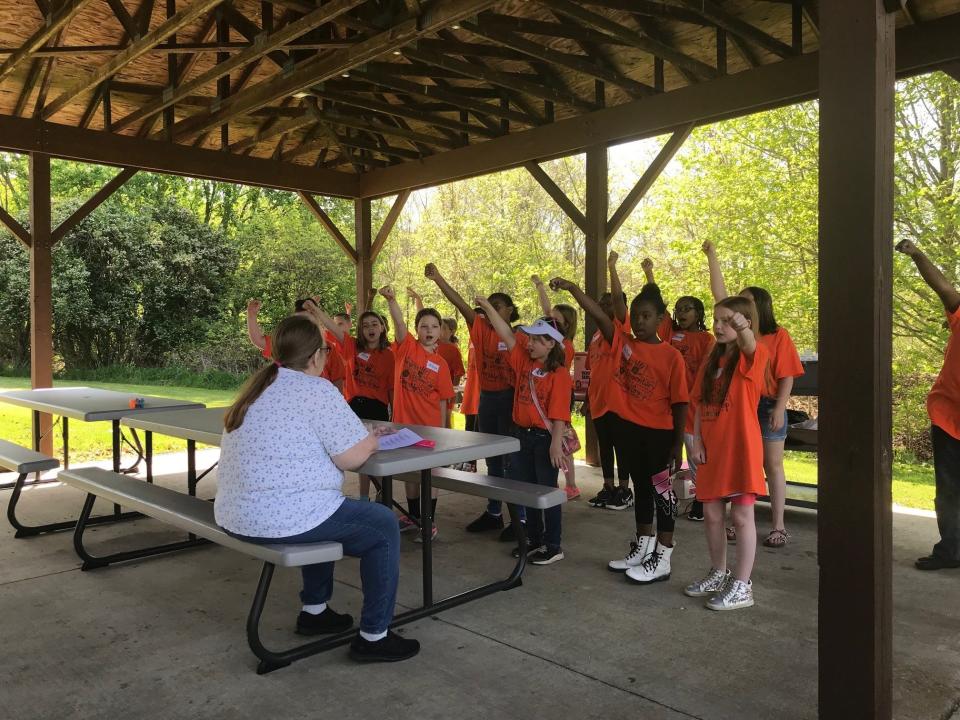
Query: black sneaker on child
[326, 623]
[546, 556]
[508, 534]
[392, 648]
[601, 498]
[696, 512]
[531, 550]
[486, 522]
[620, 499]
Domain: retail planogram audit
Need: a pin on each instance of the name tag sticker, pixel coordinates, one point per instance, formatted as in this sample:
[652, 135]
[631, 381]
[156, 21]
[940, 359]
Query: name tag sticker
[501, 346]
[363, 356]
[539, 372]
[627, 352]
[432, 366]
[679, 336]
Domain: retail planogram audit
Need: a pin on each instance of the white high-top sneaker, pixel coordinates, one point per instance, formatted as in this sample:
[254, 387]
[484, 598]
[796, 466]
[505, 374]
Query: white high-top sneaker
[654, 568]
[638, 551]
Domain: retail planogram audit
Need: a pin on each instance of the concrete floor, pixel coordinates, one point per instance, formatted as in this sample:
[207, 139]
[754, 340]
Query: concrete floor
[164, 637]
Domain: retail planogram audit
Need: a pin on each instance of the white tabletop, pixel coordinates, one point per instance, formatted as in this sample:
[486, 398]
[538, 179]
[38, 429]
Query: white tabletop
[89, 404]
[452, 446]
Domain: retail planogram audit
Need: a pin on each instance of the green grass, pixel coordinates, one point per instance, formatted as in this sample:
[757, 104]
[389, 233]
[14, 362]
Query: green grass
[89, 441]
[913, 483]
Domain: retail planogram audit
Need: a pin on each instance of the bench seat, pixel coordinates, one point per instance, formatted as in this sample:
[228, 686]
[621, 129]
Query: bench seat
[24, 461]
[514, 492]
[192, 515]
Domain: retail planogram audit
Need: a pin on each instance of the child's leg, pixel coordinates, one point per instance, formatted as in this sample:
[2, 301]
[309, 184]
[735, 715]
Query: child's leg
[776, 480]
[522, 467]
[696, 509]
[635, 443]
[546, 474]
[364, 487]
[713, 516]
[570, 474]
[605, 447]
[742, 515]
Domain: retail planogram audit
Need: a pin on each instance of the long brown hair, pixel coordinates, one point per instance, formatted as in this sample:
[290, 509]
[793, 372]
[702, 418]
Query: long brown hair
[295, 340]
[746, 307]
[569, 315]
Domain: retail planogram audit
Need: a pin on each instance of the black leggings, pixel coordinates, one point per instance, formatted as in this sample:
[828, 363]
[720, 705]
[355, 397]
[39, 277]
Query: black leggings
[470, 423]
[604, 426]
[645, 452]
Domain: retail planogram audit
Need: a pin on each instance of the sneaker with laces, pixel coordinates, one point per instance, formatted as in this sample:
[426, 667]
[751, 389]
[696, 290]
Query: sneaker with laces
[710, 584]
[392, 648]
[486, 522]
[734, 595]
[638, 551]
[654, 568]
[621, 499]
[600, 499]
[326, 623]
[531, 549]
[546, 556]
[406, 524]
[572, 492]
[433, 535]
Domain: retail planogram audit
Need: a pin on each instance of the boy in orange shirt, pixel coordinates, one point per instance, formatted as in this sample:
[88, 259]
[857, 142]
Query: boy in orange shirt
[422, 389]
[943, 407]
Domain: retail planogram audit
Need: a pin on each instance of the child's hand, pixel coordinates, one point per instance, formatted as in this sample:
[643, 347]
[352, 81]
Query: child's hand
[387, 292]
[412, 294]
[699, 454]
[612, 259]
[708, 247]
[558, 283]
[776, 418]
[253, 306]
[557, 458]
[348, 306]
[481, 301]
[647, 265]
[431, 272]
[907, 248]
[536, 280]
[676, 458]
[739, 323]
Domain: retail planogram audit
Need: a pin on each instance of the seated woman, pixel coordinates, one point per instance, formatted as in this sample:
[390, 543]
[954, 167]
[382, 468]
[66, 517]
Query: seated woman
[287, 440]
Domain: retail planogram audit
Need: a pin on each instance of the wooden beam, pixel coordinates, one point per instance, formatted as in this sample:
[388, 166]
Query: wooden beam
[388, 224]
[331, 227]
[953, 70]
[132, 52]
[126, 20]
[51, 26]
[92, 204]
[362, 224]
[735, 26]
[46, 80]
[647, 180]
[64, 141]
[595, 247]
[920, 48]
[856, 267]
[559, 197]
[15, 228]
[323, 67]
[41, 292]
[262, 46]
[551, 29]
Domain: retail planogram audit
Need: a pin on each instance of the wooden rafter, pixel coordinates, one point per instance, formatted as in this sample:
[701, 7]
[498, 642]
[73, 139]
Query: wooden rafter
[550, 29]
[330, 225]
[735, 26]
[183, 18]
[18, 230]
[92, 204]
[178, 48]
[653, 9]
[558, 195]
[388, 224]
[263, 46]
[126, 20]
[51, 26]
[323, 67]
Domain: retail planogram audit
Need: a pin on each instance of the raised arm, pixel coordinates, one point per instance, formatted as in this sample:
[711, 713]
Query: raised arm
[545, 304]
[368, 300]
[499, 324]
[450, 294]
[717, 286]
[746, 340]
[325, 321]
[396, 314]
[616, 289]
[589, 305]
[254, 331]
[931, 275]
[647, 266]
[417, 300]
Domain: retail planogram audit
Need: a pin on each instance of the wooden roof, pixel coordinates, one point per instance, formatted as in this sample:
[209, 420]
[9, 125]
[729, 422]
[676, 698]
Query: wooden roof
[355, 86]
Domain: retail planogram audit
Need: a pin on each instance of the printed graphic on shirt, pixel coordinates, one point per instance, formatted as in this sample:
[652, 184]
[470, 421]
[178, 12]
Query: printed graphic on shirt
[543, 390]
[495, 368]
[365, 373]
[634, 376]
[417, 379]
[713, 410]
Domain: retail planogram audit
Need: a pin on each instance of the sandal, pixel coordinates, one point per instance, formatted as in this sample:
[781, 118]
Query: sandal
[731, 535]
[776, 539]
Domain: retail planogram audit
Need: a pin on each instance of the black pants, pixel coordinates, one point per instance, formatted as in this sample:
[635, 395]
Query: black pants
[604, 426]
[470, 423]
[496, 417]
[946, 466]
[532, 464]
[369, 409]
[645, 452]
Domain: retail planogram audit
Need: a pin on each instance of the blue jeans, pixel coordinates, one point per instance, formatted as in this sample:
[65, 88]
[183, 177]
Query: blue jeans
[532, 464]
[368, 531]
[495, 416]
[946, 468]
[764, 411]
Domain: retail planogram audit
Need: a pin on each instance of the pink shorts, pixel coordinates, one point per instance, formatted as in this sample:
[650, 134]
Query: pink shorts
[741, 499]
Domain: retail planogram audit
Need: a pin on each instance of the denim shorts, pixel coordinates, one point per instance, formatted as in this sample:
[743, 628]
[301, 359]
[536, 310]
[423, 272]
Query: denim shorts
[764, 409]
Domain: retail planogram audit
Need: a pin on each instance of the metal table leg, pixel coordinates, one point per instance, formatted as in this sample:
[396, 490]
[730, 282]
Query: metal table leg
[426, 534]
[66, 441]
[148, 455]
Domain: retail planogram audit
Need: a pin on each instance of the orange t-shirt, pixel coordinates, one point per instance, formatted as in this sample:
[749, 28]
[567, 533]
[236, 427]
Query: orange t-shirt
[665, 329]
[651, 378]
[369, 372]
[602, 363]
[421, 382]
[784, 360]
[731, 432]
[492, 357]
[471, 386]
[451, 353]
[694, 346]
[334, 369]
[568, 353]
[553, 388]
[943, 402]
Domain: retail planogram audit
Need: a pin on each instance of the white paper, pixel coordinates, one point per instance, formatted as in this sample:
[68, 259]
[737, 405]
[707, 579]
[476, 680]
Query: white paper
[400, 439]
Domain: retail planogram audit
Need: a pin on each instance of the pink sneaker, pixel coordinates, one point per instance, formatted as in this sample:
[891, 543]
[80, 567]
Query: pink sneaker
[433, 535]
[406, 524]
[572, 492]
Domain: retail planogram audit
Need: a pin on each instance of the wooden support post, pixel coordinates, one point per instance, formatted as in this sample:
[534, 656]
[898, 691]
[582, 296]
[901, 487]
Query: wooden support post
[595, 278]
[41, 282]
[362, 234]
[857, 61]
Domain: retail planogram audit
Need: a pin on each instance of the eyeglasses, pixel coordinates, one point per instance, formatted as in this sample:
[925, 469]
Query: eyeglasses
[551, 321]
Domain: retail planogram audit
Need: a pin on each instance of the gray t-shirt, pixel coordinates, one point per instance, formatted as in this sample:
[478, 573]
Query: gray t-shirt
[276, 476]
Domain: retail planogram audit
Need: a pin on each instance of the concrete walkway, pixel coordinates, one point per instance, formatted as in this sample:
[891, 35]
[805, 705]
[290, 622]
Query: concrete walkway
[164, 637]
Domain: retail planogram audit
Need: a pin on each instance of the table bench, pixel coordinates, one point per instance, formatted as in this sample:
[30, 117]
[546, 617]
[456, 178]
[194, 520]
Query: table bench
[196, 517]
[24, 461]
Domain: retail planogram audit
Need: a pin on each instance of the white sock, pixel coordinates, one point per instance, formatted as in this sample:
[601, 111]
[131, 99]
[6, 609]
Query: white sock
[373, 637]
[315, 609]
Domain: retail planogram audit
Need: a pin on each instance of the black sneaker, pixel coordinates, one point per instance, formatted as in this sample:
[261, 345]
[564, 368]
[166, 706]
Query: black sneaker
[546, 556]
[326, 623]
[696, 512]
[508, 534]
[601, 498]
[486, 522]
[531, 550]
[620, 499]
[392, 648]
[934, 562]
